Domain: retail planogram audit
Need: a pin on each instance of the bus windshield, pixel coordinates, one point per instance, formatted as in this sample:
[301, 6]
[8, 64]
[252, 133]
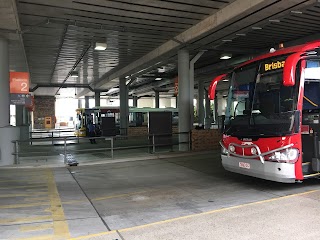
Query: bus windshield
[258, 103]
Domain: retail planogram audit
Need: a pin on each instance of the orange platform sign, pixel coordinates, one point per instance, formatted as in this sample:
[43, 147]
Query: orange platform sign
[19, 82]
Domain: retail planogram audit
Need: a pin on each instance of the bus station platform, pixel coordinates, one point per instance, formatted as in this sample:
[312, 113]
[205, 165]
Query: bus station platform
[170, 196]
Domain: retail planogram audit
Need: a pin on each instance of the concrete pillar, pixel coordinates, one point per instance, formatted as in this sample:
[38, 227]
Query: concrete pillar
[135, 101]
[177, 102]
[191, 80]
[19, 115]
[157, 99]
[185, 100]
[208, 119]
[124, 107]
[7, 133]
[200, 107]
[21, 122]
[79, 103]
[97, 99]
[86, 101]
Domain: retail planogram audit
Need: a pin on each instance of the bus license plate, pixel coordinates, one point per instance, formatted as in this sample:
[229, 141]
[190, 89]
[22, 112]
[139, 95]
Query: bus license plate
[244, 165]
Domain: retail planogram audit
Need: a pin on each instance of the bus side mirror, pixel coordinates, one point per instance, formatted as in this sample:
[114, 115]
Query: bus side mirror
[289, 70]
[213, 86]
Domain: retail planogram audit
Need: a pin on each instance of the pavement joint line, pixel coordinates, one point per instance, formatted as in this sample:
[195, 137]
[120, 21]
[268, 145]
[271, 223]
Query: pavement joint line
[60, 225]
[42, 237]
[194, 215]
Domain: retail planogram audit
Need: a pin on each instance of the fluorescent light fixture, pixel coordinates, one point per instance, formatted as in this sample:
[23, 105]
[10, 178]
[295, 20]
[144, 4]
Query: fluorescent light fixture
[227, 40]
[256, 28]
[100, 46]
[274, 20]
[225, 56]
[161, 70]
[158, 79]
[296, 12]
[127, 76]
[225, 80]
[74, 74]
[241, 34]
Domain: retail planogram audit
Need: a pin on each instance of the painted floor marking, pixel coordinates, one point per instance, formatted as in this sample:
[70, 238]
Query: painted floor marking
[193, 215]
[60, 225]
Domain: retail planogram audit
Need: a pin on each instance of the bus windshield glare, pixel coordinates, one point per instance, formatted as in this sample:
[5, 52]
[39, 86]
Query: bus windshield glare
[259, 105]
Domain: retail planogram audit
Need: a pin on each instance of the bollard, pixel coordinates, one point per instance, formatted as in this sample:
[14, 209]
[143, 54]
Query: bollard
[112, 147]
[52, 137]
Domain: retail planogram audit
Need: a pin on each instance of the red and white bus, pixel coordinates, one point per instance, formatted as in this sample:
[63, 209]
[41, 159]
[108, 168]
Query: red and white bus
[272, 118]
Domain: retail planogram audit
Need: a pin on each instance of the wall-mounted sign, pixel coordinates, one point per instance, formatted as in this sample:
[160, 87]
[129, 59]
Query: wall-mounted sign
[19, 82]
[20, 99]
[19, 88]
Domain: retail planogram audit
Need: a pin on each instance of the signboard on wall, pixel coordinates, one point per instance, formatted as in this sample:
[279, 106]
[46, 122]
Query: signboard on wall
[19, 88]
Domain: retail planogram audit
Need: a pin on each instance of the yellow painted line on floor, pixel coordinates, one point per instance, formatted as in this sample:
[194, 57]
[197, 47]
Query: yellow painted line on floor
[23, 205]
[25, 186]
[25, 220]
[37, 227]
[42, 237]
[23, 194]
[117, 196]
[195, 215]
[34, 199]
[60, 225]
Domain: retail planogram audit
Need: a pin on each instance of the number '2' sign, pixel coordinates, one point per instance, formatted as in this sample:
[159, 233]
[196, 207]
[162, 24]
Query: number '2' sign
[19, 82]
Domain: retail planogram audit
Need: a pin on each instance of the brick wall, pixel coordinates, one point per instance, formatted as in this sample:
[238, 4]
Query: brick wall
[44, 107]
[205, 139]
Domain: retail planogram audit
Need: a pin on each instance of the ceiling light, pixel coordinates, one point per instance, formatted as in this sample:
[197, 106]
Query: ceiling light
[225, 56]
[74, 74]
[241, 34]
[161, 70]
[158, 79]
[100, 46]
[225, 80]
[256, 28]
[296, 12]
[227, 40]
[274, 20]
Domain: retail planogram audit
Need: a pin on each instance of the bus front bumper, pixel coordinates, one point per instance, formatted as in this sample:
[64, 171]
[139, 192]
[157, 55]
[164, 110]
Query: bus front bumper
[274, 171]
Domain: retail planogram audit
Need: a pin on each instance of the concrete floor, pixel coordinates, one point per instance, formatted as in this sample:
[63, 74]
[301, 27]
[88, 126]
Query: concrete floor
[181, 197]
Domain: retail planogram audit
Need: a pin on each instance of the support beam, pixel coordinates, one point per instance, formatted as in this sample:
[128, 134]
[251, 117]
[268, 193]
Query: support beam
[184, 99]
[97, 99]
[124, 107]
[208, 119]
[135, 101]
[7, 133]
[4, 83]
[86, 101]
[200, 107]
[233, 11]
[157, 99]
[191, 80]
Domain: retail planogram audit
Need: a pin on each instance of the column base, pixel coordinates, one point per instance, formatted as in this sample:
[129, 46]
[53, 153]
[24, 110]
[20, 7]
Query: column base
[7, 147]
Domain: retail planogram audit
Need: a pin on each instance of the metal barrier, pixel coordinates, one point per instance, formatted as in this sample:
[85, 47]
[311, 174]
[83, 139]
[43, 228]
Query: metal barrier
[59, 146]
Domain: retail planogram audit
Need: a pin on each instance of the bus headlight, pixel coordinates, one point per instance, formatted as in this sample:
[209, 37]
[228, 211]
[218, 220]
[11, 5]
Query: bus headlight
[290, 155]
[253, 151]
[232, 148]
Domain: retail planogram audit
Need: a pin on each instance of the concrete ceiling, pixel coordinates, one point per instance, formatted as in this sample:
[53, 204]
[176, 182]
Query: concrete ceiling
[143, 37]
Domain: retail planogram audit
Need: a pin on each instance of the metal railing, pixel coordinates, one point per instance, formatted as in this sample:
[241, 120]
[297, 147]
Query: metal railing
[60, 146]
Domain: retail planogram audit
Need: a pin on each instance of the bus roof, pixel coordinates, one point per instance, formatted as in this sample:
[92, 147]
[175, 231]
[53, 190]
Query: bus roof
[299, 48]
